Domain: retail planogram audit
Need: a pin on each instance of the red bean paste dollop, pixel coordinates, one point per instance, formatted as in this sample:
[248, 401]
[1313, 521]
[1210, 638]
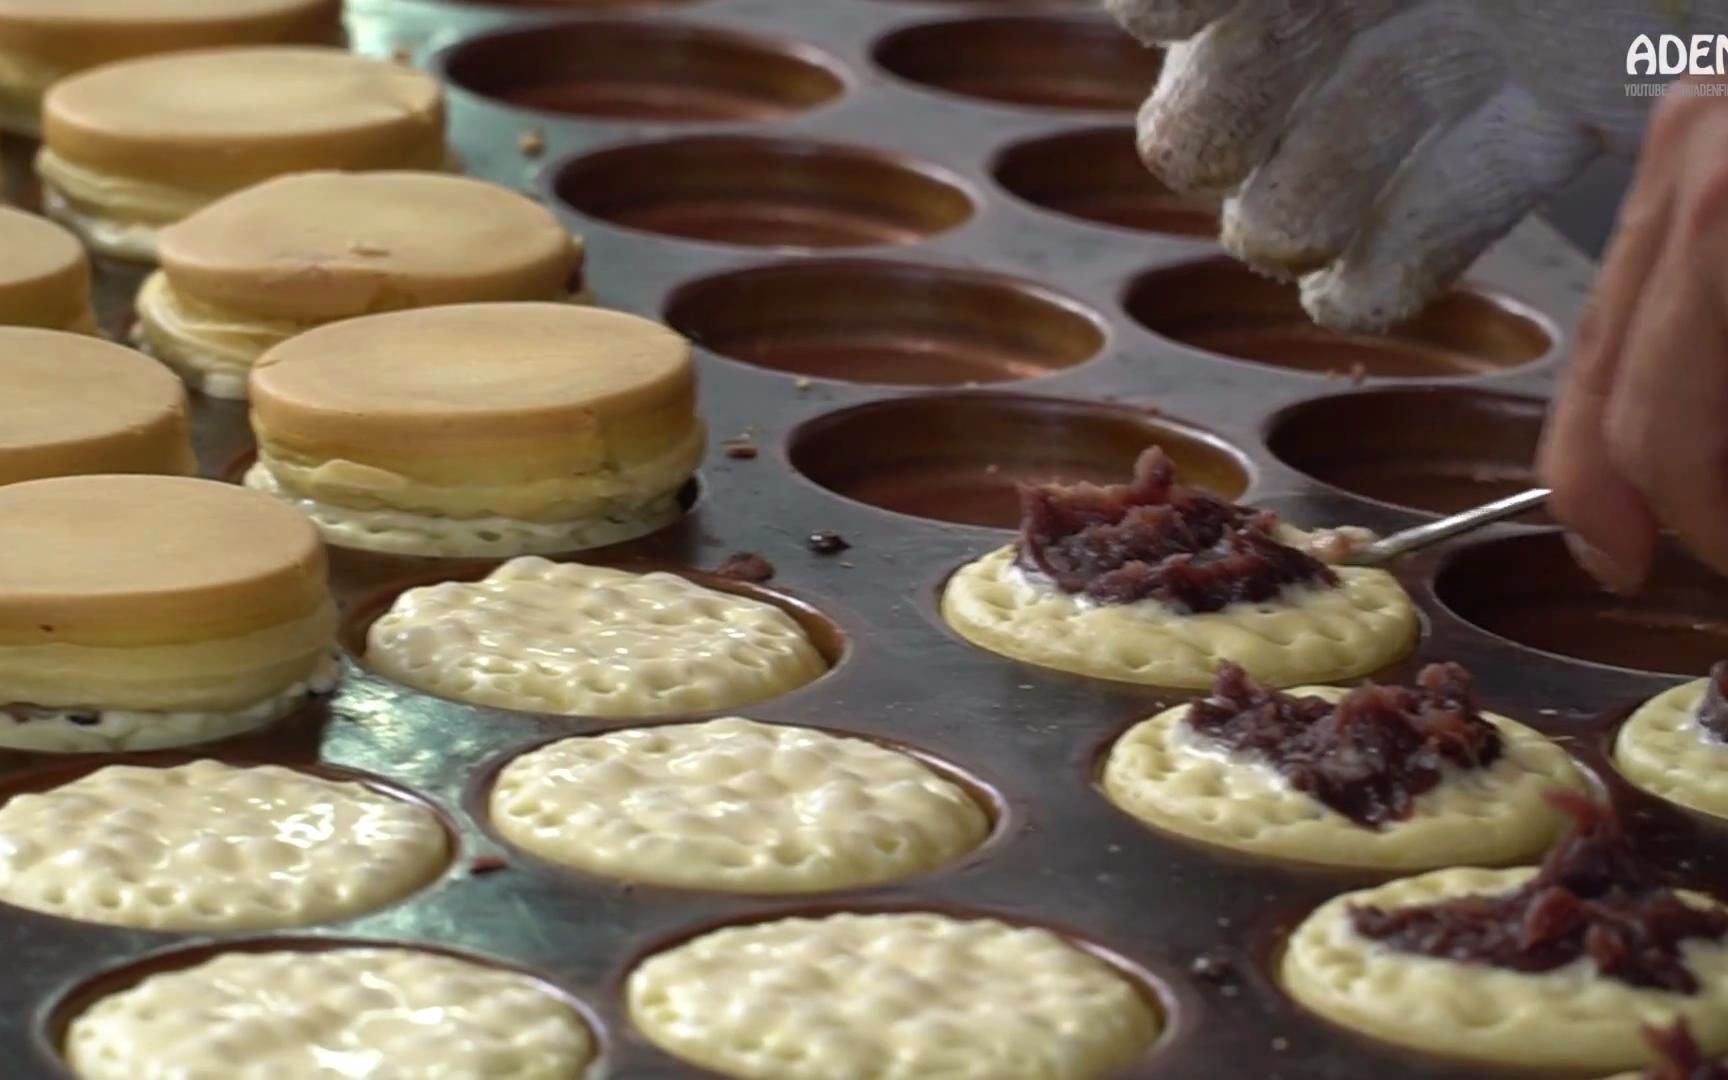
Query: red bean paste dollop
[1368, 756]
[1155, 539]
[1713, 710]
[1678, 1056]
[1593, 897]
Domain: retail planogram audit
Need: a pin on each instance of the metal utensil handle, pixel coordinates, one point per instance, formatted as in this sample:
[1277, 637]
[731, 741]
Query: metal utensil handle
[1421, 536]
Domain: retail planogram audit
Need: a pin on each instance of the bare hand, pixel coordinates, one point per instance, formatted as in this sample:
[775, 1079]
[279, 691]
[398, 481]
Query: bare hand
[1638, 440]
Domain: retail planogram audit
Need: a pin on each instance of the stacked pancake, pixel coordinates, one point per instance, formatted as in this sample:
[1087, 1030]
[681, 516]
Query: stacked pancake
[139, 612]
[44, 275]
[133, 146]
[71, 404]
[262, 265]
[44, 41]
[479, 429]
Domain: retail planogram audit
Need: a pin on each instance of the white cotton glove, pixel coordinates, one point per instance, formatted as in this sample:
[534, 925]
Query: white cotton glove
[1374, 148]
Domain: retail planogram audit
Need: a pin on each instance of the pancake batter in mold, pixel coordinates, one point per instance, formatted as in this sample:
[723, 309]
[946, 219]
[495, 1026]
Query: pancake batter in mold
[903, 996]
[207, 846]
[1676, 745]
[578, 640]
[360, 1011]
[736, 805]
[1488, 809]
[1562, 967]
[1157, 583]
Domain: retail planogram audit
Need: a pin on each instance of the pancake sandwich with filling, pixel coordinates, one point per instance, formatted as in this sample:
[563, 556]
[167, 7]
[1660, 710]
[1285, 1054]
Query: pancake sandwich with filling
[72, 405]
[258, 267]
[141, 612]
[479, 429]
[44, 41]
[130, 147]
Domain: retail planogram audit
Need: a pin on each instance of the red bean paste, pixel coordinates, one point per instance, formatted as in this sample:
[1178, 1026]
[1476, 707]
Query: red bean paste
[1592, 898]
[1155, 539]
[1678, 1056]
[1713, 710]
[1368, 756]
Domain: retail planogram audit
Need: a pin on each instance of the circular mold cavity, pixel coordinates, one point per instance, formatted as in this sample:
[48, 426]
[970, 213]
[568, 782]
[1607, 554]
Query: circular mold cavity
[639, 70]
[1528, 590]
[886, 323]
[1044, 61]
[960, 457]
[1221, 306]
[56, 1017]
[1438, 450]
[477, 800]
[1096, 175]
[752, 191]
[830, 641]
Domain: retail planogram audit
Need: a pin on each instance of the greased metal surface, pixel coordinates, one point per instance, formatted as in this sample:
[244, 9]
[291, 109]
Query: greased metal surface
[955, 215]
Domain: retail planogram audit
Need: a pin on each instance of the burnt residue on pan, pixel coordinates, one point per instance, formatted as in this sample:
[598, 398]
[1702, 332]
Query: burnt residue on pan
[858, 209]
[1095, 174]
[1220, 306]
[765, 192]
[625, 70]
[962, 458]
[890, 323]
[1041, 61]
[1435, 449]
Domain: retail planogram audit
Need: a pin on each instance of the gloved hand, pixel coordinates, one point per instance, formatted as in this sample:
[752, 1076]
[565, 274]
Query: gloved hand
[1375, 147]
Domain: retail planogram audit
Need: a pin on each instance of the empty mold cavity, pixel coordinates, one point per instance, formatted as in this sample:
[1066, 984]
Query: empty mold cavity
[886, 322]
[1527, 589]
[1435, 449]
[960, 457]
[763, 192]
[630, 70]
[1221, 306]
[1047, 61]
[1096, 175]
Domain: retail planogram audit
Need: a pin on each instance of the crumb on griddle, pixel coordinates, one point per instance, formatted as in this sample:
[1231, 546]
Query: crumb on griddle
[746, 566]
[532, 142]
[482, 865]
[826, 542]
[740, 450]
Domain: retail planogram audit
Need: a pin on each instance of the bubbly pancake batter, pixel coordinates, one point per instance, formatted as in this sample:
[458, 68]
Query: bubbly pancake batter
[591, 641]
[262, 265]
[196, 611]
[736, 805]
[1670, 747]
[213, 847]
[892, 997]
[357, 1010]
[483, 430]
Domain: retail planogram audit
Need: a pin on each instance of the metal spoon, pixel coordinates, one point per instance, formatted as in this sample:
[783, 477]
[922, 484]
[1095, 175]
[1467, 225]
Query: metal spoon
[1402, 543]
